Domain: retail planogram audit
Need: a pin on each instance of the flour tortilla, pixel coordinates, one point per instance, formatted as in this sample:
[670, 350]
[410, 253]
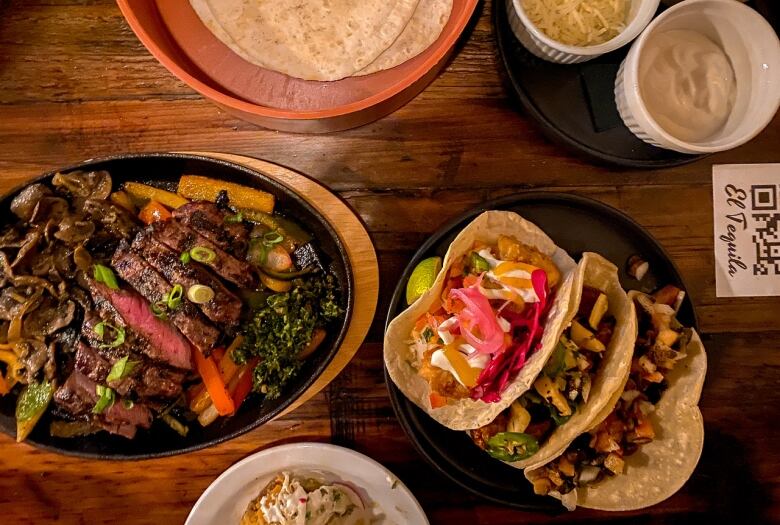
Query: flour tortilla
[401, 361]
[423, 29]
[660, 468]
[596, 272]
[312, 40]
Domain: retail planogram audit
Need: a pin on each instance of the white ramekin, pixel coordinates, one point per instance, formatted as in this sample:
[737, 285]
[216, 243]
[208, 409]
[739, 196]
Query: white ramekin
[541, 45]
[754, 51]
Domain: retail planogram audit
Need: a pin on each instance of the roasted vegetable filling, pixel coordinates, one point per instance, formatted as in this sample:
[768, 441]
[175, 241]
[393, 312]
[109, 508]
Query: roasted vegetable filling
[602, 451]
[562, 387]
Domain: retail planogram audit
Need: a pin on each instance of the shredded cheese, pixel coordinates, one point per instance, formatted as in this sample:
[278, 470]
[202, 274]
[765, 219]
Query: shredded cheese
[578, 22]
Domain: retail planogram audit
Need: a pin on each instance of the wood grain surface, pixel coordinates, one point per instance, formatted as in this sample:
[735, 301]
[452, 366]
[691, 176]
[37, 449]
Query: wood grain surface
[75, 83]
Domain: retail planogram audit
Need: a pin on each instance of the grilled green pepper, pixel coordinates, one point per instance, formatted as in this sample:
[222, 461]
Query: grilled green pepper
[512, 446]
[30, 406]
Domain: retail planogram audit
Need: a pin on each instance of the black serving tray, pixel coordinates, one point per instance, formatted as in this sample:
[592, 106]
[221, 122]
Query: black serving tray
[576, 224]
[575, 104]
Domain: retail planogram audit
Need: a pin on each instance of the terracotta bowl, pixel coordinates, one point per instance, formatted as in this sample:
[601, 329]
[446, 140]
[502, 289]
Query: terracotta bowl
[174, 34]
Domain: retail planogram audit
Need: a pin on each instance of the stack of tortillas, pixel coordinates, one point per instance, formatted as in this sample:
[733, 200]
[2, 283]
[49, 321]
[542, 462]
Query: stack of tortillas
[325, 39]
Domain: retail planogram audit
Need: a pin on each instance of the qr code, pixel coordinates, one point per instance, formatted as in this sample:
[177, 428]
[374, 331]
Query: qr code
[766, 238]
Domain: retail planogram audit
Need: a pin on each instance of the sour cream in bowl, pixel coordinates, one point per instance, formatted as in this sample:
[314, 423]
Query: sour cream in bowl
[703, 77]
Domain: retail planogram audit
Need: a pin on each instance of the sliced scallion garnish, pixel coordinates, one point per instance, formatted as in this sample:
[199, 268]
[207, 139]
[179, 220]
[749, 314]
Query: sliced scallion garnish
[202, 254]
[106, 398]
[272, 238]
[119, 331]
[104, 274]
[122, 369]
[200, 293]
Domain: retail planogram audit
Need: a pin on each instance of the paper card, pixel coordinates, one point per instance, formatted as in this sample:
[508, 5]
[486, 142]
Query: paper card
[746, 208]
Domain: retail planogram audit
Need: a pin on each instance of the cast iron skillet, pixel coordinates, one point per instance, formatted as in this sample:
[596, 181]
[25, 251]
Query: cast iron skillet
[164, 169]
[575, 103]
[576, 224]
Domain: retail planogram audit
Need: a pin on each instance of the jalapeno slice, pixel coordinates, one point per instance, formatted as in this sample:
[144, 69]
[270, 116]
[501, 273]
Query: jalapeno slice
[512, 446]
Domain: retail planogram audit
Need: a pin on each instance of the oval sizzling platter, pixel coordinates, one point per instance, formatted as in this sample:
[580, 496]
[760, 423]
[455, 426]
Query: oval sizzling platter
[173, 33]
[599, 228]
[575, 103]
[163, 170]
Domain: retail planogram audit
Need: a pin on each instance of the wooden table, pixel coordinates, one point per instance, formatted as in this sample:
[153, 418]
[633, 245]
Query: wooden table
[76, 83]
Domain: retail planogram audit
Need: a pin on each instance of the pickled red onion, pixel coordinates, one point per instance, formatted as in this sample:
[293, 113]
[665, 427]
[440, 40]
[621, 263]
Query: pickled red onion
[478, 314]
[505, 366]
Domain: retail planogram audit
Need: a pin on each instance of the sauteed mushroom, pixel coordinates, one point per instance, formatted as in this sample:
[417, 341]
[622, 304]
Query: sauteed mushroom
[24, 204]
[73, 231]
[29, 243]
[49, 317]
[88, 185]
[50, 209]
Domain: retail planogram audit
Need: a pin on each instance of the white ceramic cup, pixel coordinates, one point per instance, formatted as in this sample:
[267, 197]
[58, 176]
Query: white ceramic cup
[751, 45]
[639, 15]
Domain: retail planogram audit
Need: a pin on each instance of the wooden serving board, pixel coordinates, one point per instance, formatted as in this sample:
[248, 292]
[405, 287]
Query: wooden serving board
[360, 250]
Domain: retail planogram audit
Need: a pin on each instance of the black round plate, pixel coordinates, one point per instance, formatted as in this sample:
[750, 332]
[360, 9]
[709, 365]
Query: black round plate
[576, 224]
[575, 103]
[163, 170]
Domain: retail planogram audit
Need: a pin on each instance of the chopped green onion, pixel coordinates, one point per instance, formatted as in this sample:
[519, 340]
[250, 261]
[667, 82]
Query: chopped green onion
[100, 329]
[272, 238]
[121, 369]
[106, 398]
[173, 298]
[231, 219]
[185, 257]
[128, 403]
[200, 294]
[202, 254]
[158, 310]
[104, 274]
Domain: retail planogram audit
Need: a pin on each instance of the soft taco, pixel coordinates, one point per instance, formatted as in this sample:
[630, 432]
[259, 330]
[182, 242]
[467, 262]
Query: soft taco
[480, 335]
[645, 446]
[588, 365]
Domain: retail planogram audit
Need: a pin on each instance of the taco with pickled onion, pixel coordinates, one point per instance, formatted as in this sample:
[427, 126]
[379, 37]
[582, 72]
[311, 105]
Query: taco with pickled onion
[479, 336]
[646, 444]
[589, 364]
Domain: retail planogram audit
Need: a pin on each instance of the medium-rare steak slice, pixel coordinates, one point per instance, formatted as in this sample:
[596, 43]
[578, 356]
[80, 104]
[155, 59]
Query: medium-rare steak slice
[147, 380]
[78, 396]
[181, 239]
[153, 286]
[165, 343]
[224, 308]
[205, 218]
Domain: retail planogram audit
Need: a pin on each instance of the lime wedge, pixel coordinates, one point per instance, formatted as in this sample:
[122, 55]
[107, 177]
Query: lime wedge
[422, 278]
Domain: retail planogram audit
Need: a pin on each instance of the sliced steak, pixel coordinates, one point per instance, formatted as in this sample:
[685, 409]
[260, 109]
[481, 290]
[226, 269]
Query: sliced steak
[165, 343]
[205, 218]
[224, 308]
[91, 364]
[147, 380]
[159, 383]
[181, 239]
[78, 396]
[153, 286]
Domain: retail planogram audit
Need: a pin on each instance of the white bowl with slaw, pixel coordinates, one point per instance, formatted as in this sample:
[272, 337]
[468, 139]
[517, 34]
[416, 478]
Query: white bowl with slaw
[640, 13]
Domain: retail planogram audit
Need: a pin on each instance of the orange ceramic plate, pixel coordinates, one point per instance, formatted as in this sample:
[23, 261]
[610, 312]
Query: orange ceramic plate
[174, 34]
